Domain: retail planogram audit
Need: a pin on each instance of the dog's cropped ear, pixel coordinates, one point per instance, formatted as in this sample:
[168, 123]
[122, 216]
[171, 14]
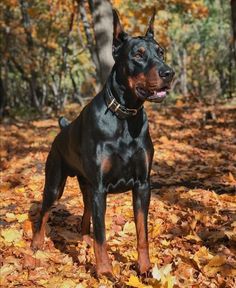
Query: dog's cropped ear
[119, 35]
[150, 30]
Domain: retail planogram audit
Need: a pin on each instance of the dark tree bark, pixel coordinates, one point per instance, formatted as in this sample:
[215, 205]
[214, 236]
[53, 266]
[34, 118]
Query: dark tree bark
[90, 38]
[35, 89]
[232, 62]
[76, 94]
[233, 11]
[2, 98]
[62, 96]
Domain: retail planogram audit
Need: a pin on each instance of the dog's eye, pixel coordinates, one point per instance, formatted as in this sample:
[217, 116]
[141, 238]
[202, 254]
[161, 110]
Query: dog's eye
[139, 54]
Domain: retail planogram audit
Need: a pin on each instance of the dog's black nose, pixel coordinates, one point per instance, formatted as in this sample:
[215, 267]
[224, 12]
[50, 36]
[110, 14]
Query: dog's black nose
[166, 74]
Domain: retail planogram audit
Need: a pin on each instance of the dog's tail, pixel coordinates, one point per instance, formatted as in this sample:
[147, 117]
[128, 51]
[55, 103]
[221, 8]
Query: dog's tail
[63, 122]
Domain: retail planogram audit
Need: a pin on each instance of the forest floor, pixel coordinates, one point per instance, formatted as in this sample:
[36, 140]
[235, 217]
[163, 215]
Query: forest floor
[192, 218]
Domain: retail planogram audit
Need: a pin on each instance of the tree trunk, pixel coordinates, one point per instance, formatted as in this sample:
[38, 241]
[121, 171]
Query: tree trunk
[35, 90]
[90, 39]
[232, 61]
[184, 73]
[76, 96]
[2, 98]
[103, 31]
[233, 11]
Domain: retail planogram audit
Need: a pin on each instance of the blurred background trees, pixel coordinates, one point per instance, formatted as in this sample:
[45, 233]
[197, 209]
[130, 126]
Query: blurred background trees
[55, 51]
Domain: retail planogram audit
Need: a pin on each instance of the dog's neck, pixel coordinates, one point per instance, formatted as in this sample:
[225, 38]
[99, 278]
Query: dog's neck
[121, 91]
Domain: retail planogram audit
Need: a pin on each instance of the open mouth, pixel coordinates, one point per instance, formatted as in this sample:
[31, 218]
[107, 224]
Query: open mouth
[156, 95]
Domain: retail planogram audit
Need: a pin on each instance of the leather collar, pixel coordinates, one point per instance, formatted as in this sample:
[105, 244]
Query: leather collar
[119, 110]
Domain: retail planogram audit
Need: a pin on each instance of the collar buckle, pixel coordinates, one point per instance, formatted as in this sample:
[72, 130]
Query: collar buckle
[121, 111]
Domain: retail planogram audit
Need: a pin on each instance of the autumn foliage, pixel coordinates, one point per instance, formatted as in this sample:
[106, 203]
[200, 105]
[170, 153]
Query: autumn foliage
[50, 52]
[192, 212]
[49, 65]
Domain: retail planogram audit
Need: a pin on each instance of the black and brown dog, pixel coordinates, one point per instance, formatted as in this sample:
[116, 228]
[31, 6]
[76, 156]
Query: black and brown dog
[108, 147]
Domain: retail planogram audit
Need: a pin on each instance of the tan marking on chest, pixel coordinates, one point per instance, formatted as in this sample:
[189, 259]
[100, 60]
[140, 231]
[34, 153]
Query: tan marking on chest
[106, 165]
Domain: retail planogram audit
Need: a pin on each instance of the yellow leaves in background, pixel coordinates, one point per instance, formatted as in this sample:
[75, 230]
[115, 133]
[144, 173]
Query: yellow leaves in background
[10, 2]
[117, 3]
[52, 45]
[196, 8]
[135, 15]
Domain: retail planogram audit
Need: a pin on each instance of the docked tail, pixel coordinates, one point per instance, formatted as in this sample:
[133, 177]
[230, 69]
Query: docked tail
[63, 122]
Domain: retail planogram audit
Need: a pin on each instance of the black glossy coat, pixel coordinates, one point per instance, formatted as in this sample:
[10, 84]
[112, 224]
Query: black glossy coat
[109, 154]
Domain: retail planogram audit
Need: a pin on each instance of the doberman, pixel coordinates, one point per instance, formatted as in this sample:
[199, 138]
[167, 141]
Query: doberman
[108, 146]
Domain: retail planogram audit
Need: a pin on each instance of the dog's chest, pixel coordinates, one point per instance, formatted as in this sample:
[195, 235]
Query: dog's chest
[124, 164]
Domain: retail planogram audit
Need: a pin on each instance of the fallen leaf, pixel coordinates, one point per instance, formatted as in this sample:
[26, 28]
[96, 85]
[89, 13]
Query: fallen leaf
[30, 262]
[194, 238]
[10, 217]
[21, 217]
[156, 230]
[217, 261]
[6, 269]
[202, 256]
[134, 282]
[231, 178]
[42, 255]
[67, 284]
[20, 189]
[27, 228]
[156, 273]
[166, 269]
[163, 275]
[129, 228]
[11, 235]
[116, 267]
[165, 242]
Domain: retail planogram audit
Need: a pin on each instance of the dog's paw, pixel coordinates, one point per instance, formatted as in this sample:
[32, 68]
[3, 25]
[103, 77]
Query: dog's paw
[105, 269]
[37, 242]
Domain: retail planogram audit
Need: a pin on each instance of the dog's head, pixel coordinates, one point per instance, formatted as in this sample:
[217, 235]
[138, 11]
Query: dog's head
[141, 60]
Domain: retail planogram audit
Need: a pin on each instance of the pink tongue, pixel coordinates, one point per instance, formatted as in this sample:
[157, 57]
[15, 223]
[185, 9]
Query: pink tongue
[161, 94]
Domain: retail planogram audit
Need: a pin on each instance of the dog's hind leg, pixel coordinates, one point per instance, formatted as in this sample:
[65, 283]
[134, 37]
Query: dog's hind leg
[86, 219]
[54, 185]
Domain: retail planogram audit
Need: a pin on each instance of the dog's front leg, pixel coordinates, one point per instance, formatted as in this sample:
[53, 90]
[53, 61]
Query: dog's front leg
[141, 200]
[103, 265]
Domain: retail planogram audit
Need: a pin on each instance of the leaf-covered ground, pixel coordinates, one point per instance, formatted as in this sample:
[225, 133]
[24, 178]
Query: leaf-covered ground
[192, 219]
